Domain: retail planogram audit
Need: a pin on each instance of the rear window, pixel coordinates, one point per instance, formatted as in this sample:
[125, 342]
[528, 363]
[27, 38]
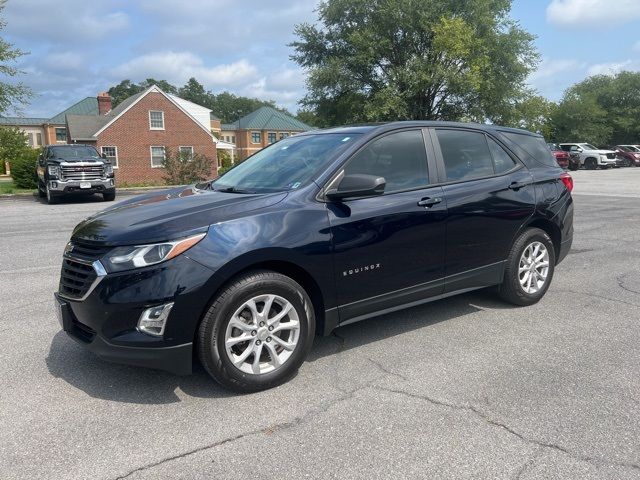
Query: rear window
[534, 146]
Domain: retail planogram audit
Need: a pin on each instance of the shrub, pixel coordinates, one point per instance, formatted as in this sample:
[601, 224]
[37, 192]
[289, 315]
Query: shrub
[182, 169]
[23, 169]
[13, 142]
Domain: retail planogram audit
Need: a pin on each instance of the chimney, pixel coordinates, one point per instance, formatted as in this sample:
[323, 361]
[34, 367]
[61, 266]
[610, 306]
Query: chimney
[104, 103]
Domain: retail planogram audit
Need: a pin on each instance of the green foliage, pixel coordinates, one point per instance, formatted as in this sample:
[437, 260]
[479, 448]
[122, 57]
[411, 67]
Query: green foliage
[12, 95]
[602, 110]
[126, 88]
[182, 169]
[377, 60]
[13, 143]
[23, 169]
[531, 112]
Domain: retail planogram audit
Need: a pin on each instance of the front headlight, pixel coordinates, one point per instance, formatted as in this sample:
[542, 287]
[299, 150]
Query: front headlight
[128, 258]
[54, 170]
[108, 169]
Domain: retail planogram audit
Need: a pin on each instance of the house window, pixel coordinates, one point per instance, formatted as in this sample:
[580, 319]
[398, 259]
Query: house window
[61, 134]
[30, 139]
[271, 137]
[112, 155]
[284, 135]
[156, 120]
[256, 137]
[233, 139]
[38, 139]
[186, 152]
[157, 157]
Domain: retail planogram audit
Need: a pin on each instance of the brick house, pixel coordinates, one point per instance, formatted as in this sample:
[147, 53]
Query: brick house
[136, 134]
[260, 129]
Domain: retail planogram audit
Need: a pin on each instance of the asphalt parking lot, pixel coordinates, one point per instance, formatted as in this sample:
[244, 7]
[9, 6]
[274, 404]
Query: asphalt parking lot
[466, 387]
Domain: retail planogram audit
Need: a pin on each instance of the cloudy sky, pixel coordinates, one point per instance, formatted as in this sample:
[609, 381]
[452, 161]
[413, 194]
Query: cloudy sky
[82, 47]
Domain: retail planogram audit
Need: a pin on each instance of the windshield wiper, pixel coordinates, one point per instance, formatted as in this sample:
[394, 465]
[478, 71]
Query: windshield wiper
[232, 190]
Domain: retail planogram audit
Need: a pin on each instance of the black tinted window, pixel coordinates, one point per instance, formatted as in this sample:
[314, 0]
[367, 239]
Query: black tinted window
[535, 147]
[466, 154]
[399, 157]
[502, 162]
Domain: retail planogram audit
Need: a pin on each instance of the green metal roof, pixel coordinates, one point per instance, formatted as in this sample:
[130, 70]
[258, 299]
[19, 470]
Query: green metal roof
[22, 121]
[267, 118]
[88, 106]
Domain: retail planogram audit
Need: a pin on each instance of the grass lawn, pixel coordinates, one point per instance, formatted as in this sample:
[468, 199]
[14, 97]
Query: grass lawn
[7, 186]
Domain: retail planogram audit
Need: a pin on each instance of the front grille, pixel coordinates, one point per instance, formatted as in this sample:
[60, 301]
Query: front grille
[611, 156]
[88, 252]
[81, 172]
[76, 278]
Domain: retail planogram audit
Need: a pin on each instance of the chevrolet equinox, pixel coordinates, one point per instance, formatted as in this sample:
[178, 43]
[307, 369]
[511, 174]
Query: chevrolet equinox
[316, 231]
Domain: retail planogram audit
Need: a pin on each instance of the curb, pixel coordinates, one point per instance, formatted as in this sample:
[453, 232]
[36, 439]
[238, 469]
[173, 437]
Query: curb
[123, 191]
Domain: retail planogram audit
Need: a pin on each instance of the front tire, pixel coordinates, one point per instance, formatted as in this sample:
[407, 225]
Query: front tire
[529, 268]
[51, 198]
[109, 196]
[591, 164]
[257, 332]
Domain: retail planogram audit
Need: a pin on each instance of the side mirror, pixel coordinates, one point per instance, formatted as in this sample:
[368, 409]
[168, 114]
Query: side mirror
[357, 185]
[104, 155]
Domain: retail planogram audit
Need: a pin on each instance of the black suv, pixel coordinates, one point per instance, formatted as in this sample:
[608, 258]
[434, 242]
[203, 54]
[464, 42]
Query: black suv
[318, 230]
[74, 169]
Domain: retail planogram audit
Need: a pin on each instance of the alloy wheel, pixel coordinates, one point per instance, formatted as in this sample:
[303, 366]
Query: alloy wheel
[533, 268]
[262, 334]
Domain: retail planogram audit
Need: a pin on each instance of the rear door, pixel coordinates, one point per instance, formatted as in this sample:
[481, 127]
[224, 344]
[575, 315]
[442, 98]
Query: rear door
[490, 194]
[389, 249]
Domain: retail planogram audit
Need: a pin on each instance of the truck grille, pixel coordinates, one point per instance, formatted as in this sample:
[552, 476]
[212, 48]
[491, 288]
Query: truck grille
[87, 252]
[76, 279]
[81, 172]
[611, 156]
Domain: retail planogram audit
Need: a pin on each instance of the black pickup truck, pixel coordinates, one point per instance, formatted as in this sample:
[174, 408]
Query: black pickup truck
[74, 169]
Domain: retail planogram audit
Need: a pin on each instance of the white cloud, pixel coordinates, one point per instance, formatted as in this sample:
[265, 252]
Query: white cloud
[75, 22]
[593, 12]
[178, 67]
[550, 68]
[613, 67]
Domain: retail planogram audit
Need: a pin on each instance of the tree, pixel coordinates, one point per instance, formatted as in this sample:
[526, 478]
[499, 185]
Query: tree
[531, 112]
[123, 90]
[194, 92]
[13, 143]
[162, 84]
[603, 110]
[183, 169]
[12, 95]
[374, 60]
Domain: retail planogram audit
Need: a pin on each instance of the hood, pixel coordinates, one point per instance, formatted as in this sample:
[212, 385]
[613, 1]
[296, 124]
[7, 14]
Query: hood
[605, 152]
[167, 215]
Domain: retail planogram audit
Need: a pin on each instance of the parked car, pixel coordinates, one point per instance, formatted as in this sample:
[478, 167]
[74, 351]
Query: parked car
[318, 230]
[72, 170]
[562, 157]
[589, 156]
[630, 153]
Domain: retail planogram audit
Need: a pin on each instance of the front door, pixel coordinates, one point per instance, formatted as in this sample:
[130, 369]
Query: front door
[389, 249]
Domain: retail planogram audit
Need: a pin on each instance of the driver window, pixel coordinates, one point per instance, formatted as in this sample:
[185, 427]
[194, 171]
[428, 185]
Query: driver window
[466, 154]
[398, 157]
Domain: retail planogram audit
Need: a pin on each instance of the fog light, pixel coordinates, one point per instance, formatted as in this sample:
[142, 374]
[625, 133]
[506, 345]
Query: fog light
[54, 185]
[153, 320]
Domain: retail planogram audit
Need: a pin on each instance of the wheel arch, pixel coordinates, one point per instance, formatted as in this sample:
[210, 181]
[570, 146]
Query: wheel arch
[299, 274]
[551, 229]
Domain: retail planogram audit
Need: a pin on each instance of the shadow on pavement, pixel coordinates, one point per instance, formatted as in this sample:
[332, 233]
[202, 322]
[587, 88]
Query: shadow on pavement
[121, 383]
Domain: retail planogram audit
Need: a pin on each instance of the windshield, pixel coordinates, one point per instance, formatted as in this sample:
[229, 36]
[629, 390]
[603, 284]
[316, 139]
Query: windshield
[587, 146]
[285, 165]
[629, 148]
[74, 153]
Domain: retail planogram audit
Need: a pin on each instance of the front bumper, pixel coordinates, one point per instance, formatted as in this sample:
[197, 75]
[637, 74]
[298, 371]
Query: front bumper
[609, 162]
[105, 322]
[79, 186]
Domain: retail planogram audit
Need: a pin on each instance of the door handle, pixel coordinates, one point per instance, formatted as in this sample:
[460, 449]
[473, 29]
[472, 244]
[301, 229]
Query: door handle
[429, 202]
[518, 185]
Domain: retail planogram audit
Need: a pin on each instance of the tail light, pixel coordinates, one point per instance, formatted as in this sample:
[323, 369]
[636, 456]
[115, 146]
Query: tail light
[567, 180]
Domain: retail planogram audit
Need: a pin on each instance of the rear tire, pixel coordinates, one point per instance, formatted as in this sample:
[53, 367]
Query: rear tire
[574, 166]
[525, 282]
[274, 349]
[591, 164]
